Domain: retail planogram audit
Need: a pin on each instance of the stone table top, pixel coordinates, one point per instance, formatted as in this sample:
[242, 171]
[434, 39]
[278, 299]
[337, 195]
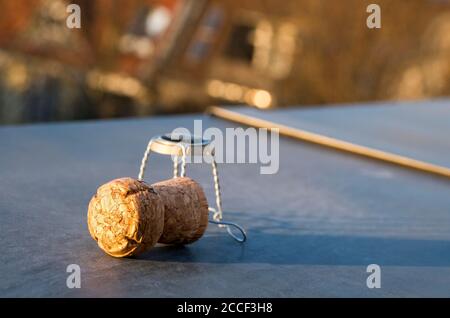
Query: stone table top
[313, 227]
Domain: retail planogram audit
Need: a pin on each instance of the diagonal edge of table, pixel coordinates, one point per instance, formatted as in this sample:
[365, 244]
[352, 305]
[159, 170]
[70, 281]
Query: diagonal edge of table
[330, 142]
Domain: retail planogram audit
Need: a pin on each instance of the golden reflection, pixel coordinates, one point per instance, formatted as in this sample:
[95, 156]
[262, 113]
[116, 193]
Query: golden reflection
[17, 76]
[239, 93]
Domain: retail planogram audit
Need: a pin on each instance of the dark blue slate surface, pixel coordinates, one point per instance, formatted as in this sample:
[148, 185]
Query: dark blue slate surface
[313, 227]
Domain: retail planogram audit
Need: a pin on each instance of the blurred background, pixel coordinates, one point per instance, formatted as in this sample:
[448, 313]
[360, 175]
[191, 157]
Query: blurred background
[143, 57]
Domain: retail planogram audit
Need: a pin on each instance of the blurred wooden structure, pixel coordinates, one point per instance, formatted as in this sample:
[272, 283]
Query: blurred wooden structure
[139, 57]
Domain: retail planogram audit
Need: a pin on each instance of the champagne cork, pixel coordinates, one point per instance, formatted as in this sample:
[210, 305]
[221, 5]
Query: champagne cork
[186, 210]
[128, 217]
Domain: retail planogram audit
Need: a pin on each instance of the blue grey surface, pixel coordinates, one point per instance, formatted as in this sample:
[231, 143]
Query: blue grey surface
[419, 130]
[312, 228]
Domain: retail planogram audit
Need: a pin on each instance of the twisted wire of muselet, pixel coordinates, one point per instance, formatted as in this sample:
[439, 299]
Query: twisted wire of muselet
[144, 160]
[217, 212]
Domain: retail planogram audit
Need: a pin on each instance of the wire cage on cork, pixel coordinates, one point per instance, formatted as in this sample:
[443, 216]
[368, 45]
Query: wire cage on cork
[128, 217]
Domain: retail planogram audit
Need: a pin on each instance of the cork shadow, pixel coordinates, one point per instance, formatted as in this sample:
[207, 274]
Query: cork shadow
[306, 249]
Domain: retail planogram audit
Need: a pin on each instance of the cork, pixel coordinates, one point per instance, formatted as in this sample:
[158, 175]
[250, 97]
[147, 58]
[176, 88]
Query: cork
[186, 210]
[125, 217]
[128, 217]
